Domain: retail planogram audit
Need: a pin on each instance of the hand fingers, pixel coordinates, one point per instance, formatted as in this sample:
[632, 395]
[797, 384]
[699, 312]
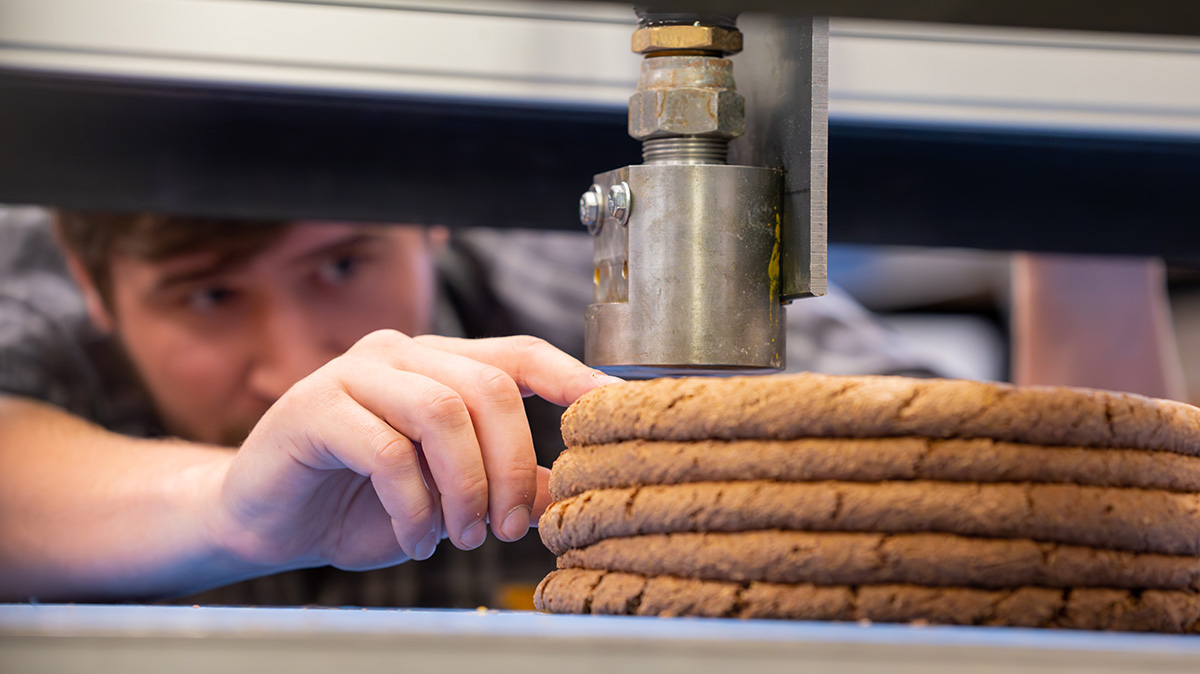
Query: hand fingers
[534, 364]
[497, 413]
[425, 547]
[422, 411]
[348, 435]
[460, 399]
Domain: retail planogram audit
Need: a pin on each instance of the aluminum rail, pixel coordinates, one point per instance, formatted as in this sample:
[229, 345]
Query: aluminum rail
[134, 639]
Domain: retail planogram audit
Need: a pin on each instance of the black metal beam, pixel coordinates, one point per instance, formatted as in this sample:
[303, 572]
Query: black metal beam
[254, 153]
[1165, 17]
[259, 154]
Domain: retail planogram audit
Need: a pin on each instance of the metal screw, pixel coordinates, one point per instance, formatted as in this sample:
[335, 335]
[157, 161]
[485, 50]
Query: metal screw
[619, 202]
[589, 209]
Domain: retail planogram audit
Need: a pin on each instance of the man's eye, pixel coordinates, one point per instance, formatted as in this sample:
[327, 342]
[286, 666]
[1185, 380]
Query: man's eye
[208, 299]
[337, 270]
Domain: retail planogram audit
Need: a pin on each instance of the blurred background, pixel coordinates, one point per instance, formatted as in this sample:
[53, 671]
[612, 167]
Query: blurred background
[949, 145]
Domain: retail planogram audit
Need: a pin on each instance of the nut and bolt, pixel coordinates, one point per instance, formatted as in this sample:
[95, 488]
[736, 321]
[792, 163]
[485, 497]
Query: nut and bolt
[619, 202]
[589, 209]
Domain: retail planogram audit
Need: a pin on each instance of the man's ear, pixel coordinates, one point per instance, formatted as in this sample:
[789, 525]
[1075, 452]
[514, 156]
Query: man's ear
[96, 309]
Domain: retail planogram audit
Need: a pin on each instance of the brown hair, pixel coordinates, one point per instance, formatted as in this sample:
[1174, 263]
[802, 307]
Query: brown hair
[96, 236]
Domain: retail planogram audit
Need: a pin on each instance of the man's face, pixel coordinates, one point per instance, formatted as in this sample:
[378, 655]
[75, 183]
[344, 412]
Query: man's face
[216, 345]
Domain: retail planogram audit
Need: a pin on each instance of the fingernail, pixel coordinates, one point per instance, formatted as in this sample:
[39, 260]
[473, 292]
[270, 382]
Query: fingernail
[426, 547]
[605, 379]
[473, 535]
[516, 522]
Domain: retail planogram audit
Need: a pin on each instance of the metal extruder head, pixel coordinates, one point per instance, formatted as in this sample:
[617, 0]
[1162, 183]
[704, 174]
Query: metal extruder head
[687, 249]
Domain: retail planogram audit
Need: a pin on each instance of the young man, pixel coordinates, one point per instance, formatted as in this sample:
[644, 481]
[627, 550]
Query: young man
[363, 441]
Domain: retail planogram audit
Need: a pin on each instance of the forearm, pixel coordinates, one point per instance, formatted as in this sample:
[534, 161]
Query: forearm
[1097, 322]
[88, 514]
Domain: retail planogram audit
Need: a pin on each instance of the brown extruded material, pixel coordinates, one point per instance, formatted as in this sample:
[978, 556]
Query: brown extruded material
[878, 498]
[785, 407]
[1136, 520]
[857, 558]
[635, 462]
[610, 592]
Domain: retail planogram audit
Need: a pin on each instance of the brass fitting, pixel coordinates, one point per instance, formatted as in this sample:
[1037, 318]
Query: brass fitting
[650, 40]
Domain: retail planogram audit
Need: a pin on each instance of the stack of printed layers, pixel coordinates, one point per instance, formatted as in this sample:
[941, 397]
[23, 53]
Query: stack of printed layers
[814, 497]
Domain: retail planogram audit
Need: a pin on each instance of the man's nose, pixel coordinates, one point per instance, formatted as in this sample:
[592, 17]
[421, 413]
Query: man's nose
[290, 345]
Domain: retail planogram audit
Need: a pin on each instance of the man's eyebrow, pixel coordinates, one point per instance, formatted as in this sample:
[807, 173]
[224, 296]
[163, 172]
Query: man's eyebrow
[354, 240]
[220, 265]
[225, 263]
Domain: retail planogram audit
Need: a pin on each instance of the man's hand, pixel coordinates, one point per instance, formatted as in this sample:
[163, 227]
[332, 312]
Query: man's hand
[368, 461]
[400, 442]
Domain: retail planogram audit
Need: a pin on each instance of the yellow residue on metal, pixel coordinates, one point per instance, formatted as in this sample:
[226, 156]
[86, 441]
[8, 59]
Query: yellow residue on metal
[773, 270]
[773, 265]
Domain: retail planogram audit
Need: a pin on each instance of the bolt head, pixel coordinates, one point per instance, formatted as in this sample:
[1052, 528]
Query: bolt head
[619, 202]
[589, 209]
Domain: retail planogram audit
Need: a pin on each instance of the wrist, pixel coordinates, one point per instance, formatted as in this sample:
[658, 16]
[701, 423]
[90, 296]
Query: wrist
[219, 555]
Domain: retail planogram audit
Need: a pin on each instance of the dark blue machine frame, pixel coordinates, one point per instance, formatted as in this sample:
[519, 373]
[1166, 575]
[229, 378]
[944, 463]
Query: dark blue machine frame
[254, 153]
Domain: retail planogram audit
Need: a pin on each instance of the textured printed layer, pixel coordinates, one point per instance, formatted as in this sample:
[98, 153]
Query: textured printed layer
[1136, 520]
[637, 462]
[610, 592]
[856, 558]
[784, 407]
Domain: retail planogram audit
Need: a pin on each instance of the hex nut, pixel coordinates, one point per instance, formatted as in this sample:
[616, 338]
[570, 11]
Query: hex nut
[660, 113]
[686, 96]
[651, 39]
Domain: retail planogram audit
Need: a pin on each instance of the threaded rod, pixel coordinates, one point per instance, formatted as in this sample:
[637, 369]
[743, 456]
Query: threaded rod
[685, 150]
